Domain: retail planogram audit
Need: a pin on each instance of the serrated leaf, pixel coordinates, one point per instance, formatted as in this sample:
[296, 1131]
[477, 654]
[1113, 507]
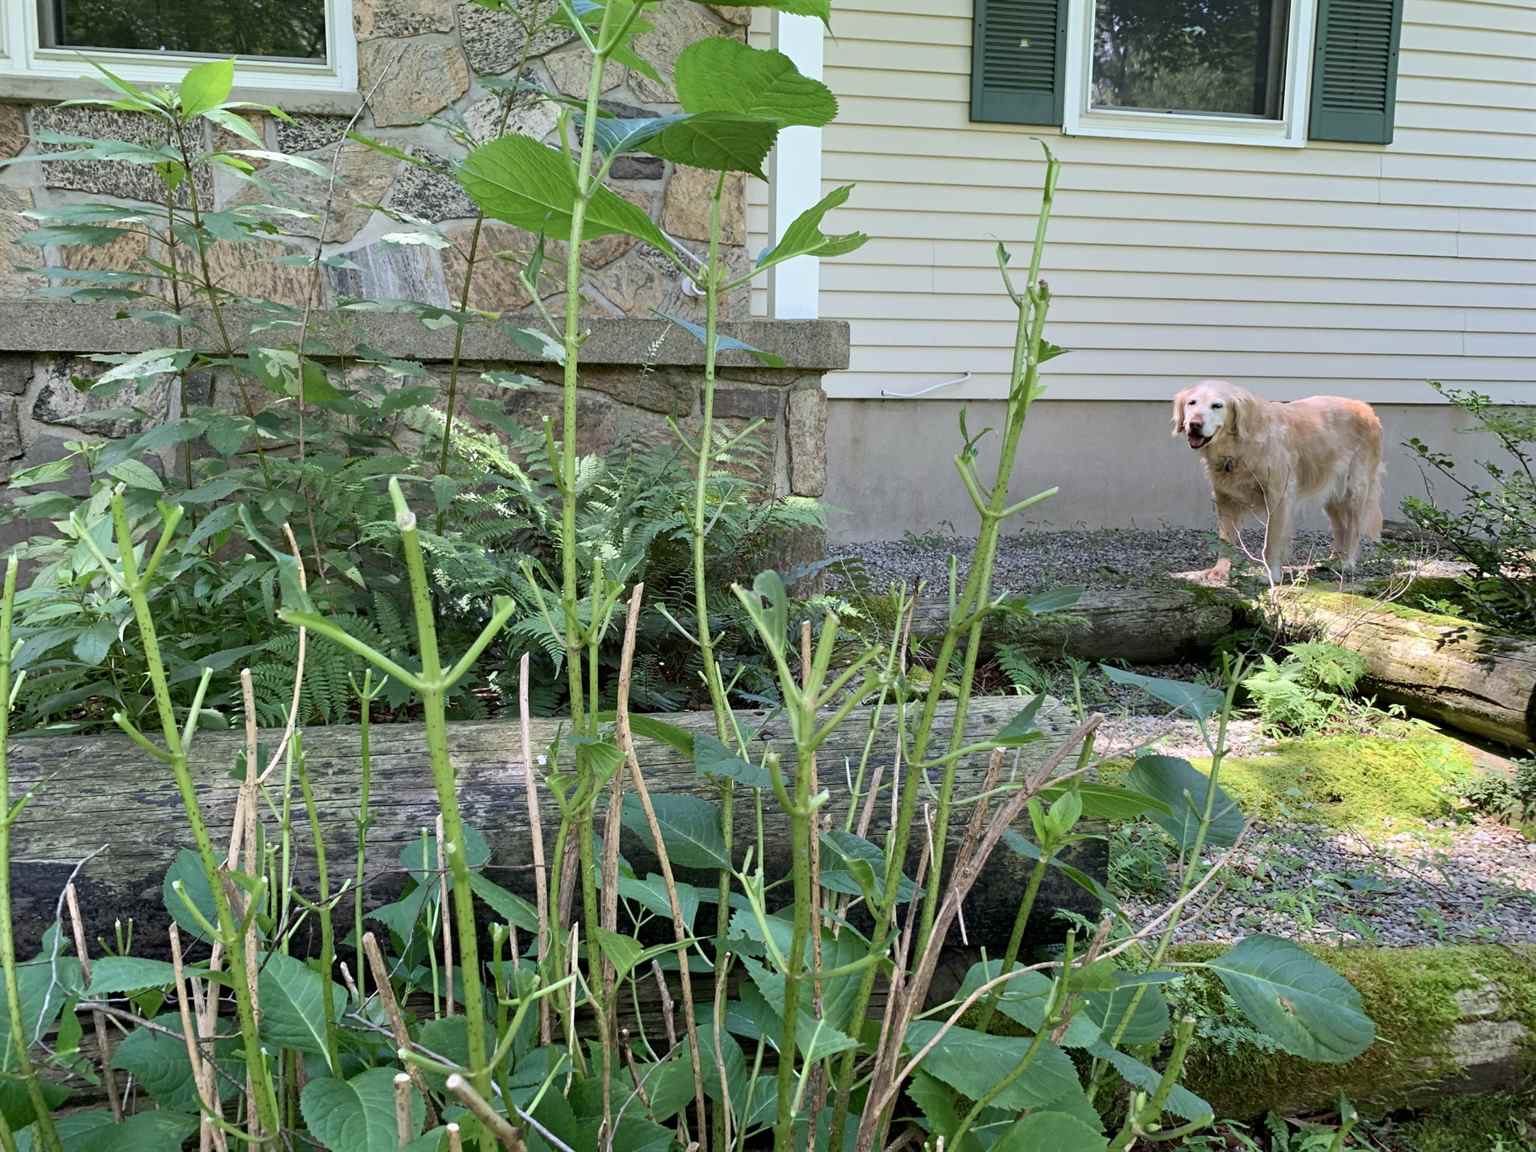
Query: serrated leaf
[1181, 1101]
[358, 1115]
[95, 1130]
[1051, 1132]
[1296, 1000]
[815, 1036]
[92, 645]
[663, 733]
[1184, 789]
[690, 828]
[508, 906]
[1024, 1000]
[136, 474]
[519, 180]
[723, 343]
[292, 998]
[419, 856]
[651, 894]
[971, 1062]
[158, 1061]
[714, 760]
[716, 74]
[187, 869]
[116, 975]
[804, 236]
[206, 86]
[1021, 729]
[1107, 1008]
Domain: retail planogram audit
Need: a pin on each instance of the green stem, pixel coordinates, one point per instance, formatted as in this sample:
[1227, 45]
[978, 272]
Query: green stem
[800, 817]
[323, 910]
[1137, 1119]
[1016, 937]
[365, 702]
[19, 1028]
[229, 930]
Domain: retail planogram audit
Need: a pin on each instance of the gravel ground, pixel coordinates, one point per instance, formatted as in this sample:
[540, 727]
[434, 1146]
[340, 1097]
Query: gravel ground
[1443, 883]
[1469, 883]
[1102, 558]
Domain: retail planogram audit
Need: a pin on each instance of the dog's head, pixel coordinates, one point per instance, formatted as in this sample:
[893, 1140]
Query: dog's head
[1210, 409]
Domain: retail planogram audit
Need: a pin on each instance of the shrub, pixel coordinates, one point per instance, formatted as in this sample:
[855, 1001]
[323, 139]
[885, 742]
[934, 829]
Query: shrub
[1491, 522]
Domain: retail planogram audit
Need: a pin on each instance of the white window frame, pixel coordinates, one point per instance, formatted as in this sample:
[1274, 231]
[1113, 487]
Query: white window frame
[21, 54]
[1206, 128]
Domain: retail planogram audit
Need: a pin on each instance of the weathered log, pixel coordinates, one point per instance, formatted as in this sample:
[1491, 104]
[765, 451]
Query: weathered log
[94, 792]
[1456, 673]
[1157, 624]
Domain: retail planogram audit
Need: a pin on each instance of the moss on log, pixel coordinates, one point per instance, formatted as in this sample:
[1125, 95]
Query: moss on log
[1456, 673]
[94, 792]
[1449, 1021]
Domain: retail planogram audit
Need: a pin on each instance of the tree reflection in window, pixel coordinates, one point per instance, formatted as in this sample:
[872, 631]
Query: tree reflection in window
[285, 29]
[1222, 57]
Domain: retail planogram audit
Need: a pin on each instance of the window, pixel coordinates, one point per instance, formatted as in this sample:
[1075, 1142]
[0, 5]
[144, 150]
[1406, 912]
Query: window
[293, 44]
[1188, 69]
[1275, 72]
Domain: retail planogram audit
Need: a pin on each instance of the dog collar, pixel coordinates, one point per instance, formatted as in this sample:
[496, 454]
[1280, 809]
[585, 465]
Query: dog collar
[1227, 464]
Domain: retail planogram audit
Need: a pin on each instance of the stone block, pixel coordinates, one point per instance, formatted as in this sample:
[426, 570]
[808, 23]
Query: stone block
[363, 178]
[530, 116]
[310, 133]
[570, 67]
[375, 18]
[16, 284]
[429, 194]
[421, 75]
[104, 177]
[12, 444]
[669, 391]
[59, 401]
[253, 270]
[125, 254]
[393, 272]
[675, 25]
[686, 211]
[806, 430]
[638, 168]
[733, 13]
[503, 252]
[16, 373]
[13, 130]
[495, 42]
[745, 402]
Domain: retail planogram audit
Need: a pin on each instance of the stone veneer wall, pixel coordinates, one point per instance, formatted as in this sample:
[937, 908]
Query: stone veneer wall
[422, 59]
[636, 375]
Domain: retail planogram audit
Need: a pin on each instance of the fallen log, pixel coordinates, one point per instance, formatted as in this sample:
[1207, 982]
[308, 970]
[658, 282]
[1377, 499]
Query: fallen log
[1157, 624]
[1444, 669]
[101, 792]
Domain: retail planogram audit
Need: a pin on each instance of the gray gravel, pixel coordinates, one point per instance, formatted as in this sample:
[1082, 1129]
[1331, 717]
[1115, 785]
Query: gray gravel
[1473, 883]
[1103, 558]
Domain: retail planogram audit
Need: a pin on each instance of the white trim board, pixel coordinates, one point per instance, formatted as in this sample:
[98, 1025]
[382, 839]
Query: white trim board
[21, 55]
[794, 177]
[861, 386]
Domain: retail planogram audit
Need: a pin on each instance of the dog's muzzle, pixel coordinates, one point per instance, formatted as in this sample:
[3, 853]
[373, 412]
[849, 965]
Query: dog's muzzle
[1198, 440]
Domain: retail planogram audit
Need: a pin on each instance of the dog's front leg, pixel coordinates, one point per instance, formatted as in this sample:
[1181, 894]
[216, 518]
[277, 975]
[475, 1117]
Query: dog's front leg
[1228, 516]
[1277, 536]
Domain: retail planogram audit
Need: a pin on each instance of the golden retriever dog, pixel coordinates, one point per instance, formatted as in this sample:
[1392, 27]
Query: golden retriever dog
[1264, 459]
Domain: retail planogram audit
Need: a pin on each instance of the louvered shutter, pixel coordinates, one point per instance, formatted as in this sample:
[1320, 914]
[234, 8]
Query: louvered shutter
[1017, 52]
[1354, 72]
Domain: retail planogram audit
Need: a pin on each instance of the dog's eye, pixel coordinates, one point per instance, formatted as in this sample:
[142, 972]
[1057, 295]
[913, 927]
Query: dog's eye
[1216, 404]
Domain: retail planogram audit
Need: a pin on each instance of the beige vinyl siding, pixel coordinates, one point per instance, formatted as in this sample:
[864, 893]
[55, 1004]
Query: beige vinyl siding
[1341, 268]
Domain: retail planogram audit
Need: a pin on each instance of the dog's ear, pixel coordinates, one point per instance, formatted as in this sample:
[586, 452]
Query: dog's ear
[1178, 411]
[1238, 404]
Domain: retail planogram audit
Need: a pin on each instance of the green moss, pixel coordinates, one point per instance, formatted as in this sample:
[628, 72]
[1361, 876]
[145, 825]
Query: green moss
[1471, 1124]
[1411, 995]
[1376, 784]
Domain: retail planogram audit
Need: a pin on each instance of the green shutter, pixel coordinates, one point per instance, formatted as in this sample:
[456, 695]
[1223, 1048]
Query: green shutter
[1354, 74]
[1018, 51]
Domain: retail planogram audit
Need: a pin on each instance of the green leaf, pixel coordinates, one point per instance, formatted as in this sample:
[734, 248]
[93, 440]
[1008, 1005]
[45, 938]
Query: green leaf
[815, 1037]
[713, 759]
[1024, 1000]
[96, 1131]
[1181, 1101]
[1044, 603]
[519, 180]
[419, 856]
[663, 733]
[1296, 1000]
[508, 906]
[92, 645]
[1021, 729]
[136, 474]
[115, 975]
[856, 866]
[626, 953]
[188, 869]
[723, 343]
[16, 1102]
[690, 828]
[291, 1003]
[1110, 802]
[821, 9]
[651, 894]
[971, 1062]
[804, 236]
[1184, 789]
[717, 74]
[357, 1115]
[158, 1061]
[1051, 1132]
[1196, 700]
[206, 87]
[1107, 1008]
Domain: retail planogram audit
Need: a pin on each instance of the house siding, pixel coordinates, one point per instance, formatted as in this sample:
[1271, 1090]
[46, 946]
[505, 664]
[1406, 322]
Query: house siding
[1352, 269]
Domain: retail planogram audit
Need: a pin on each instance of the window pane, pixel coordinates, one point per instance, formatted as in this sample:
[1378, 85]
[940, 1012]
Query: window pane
[291, 29]
[1212, 56]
